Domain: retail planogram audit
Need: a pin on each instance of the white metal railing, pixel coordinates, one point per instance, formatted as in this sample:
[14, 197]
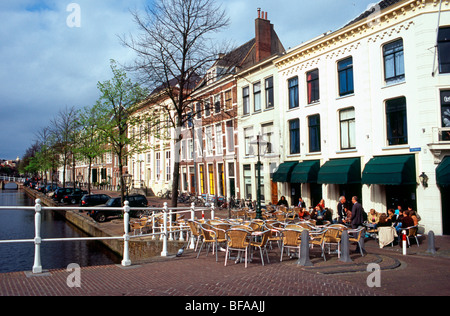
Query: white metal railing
[12, 179]
[166, 231]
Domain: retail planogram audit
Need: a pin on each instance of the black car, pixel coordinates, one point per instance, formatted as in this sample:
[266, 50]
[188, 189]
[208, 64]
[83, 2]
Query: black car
[94, 199]
[60, 193]
[75, 197]
[136, 200]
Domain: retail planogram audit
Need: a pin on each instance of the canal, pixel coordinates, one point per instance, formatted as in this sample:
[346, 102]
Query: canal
[19, 224]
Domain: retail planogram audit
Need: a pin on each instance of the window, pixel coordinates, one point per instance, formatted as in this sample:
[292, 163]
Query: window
[347, 123]
[394, 67]
[190, 148]
[269, 93]
[314, 133]
[397, 129]
[212, 188]
[202, 179]
[168, 166]
[217, 104]
[257, 96]
[248, 135]
[207, 109]
[158, 166]
[199, 139]
[294, 136]
[444, 50]
[445, 115]
[312, 81]
[219, 139]
[230, 136]
[248, 181]
[293, 92]
[246, 100]
[209, 141]
[198, 109]
[267, 135]
[345, 73]
[228, 100]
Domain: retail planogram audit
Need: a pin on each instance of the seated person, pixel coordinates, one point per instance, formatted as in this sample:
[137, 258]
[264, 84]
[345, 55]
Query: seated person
[303, 213]
[301, 203]
[384, 221]
[319, 215]
[283, 202]
[407, 220]
[373, 217]
[348, 215]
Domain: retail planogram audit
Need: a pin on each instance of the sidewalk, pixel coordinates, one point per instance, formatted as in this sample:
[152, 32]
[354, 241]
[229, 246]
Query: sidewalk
[411, 275]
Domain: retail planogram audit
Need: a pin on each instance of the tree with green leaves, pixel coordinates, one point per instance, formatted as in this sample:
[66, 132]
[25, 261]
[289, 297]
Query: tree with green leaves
[119, 96]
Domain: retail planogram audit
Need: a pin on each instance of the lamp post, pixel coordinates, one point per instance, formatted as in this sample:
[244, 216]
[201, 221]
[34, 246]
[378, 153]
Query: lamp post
[127, 180]
[258, 142]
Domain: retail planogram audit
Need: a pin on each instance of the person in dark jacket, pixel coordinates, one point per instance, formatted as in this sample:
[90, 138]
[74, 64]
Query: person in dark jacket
[283, 202]
[357, 218]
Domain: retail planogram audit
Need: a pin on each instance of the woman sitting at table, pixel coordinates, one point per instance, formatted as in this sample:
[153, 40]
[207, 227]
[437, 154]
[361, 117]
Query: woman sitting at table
[373, 217]
[283, 202]
[318, 214]
[384, 221]
[303, 214]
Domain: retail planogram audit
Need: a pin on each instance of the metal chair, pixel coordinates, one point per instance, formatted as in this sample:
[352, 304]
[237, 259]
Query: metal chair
[237, 239]
[291, 239]
[262, 244]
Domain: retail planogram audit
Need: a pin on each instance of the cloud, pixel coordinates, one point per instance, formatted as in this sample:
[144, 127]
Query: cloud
[46, 65]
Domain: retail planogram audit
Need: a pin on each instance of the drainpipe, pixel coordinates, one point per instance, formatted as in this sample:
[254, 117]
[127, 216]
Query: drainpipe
[437, 37]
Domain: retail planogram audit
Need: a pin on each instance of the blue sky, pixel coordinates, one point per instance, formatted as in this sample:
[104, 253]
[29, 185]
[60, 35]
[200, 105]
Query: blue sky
[46, 65]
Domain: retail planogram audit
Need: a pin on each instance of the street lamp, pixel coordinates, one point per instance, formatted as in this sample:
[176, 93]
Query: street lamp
[258, 142]
[127, 180]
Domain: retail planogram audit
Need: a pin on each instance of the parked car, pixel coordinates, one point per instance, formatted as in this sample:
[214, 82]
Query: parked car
[60, 193]
[94, 199]
[137, 200]
[75, 197]
[50, 188]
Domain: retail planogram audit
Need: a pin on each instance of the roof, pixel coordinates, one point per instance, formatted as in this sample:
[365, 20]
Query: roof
[381, 6]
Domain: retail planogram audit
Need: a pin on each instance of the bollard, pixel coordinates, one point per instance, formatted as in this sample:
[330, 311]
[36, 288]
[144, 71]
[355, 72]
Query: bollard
[304, 260]
[431, 243]
[170, 226]
[212, 211]
[164, 251]
[126, 237]
[404, 244]
[37, 266]
[192, 243]
[345, 248]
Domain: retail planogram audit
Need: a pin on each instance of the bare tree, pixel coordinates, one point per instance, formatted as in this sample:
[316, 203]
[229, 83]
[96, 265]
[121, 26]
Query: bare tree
[174, 50]
[64, 129]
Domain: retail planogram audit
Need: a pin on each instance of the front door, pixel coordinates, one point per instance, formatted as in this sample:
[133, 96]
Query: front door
[274, 190]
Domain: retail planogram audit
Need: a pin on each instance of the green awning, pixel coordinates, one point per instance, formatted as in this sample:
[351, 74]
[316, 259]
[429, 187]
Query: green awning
[443, 172]
[306, 172]
[340, 171]
[390, 170]
[283, 173]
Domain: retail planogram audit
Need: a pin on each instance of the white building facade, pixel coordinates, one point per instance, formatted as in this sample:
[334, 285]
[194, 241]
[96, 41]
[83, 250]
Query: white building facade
[363, 112]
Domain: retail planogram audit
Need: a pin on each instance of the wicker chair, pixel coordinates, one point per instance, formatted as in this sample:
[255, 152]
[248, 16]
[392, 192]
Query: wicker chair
[411, 232]
[355, 235]
[333, 237]
[193, 225]
[137, 225]
[262, 244]
[210, 236]
[275, 228]
[290, 240]
[237, 239]
[318, 238]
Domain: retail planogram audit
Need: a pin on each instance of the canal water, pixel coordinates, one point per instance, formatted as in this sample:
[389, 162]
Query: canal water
[19, 224]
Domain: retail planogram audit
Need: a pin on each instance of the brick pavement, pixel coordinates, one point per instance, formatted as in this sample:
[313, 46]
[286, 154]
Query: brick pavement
[415, 274]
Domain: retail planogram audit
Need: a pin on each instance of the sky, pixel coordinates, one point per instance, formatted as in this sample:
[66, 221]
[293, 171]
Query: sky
[54, 52]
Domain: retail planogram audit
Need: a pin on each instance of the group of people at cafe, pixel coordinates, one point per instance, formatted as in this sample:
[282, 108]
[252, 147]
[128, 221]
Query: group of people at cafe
[353, 215]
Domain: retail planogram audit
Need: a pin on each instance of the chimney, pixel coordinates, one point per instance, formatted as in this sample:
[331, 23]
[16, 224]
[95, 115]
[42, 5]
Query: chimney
[263, 36]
